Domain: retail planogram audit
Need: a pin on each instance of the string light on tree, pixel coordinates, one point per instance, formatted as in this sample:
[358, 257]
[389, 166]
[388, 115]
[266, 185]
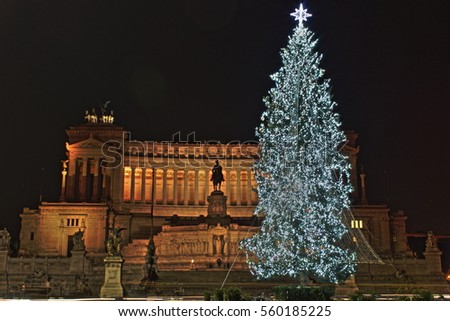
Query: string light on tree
[303, 180]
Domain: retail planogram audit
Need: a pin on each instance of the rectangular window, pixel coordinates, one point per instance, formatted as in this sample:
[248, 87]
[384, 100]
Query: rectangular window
[356, 224]
[73, 222]
[32, 236]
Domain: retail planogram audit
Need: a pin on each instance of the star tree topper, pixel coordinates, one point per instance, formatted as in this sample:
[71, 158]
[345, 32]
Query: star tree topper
[300, 14]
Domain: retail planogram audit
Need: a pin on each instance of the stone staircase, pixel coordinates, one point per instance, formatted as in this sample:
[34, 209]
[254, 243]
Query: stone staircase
[134, 252]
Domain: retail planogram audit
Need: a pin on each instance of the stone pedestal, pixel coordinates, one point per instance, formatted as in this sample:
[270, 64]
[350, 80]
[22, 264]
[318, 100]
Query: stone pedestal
[77, 262]
[112, 287]
[347, 288]
[217, 204]
[3, 261]
[4, 286]
[3, 273]
[433, 254]
[433, 259]
[217, 209]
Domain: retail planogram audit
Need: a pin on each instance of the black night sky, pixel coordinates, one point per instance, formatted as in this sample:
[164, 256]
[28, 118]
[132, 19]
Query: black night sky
[204, 66]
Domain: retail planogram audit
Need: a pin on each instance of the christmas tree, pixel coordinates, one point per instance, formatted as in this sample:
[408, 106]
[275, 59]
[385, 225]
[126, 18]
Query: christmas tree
[303, 179]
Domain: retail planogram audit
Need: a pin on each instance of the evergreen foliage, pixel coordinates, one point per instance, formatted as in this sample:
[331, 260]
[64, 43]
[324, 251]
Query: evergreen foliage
[303, 179]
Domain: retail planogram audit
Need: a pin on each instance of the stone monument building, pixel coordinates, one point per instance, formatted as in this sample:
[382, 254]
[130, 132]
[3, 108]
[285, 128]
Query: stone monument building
[109, 181]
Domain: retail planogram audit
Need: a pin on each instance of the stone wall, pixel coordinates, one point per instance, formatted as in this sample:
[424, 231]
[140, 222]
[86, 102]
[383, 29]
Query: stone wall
[81, 276]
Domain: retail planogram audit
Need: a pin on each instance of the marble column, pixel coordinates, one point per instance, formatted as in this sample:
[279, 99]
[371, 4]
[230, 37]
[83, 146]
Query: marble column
[164, 186]
[249, 187]
[143, 176]
[238, 187]
[133, 172]
[118, 184]
[228, 183]
[206, 184]
[71, 176]
[83, 181]
[154, 186]
[95, 185]
[196, 188]
[105, 173]
[175, 186]
[186, 187]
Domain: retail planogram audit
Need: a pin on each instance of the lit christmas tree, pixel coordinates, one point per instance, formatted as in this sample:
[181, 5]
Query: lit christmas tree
[303, 179]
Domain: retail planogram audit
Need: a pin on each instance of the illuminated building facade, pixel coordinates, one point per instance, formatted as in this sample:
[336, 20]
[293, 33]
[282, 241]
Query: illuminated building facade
[108, 179]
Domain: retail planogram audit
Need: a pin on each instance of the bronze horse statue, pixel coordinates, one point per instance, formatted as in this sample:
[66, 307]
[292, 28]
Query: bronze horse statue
[217, 176]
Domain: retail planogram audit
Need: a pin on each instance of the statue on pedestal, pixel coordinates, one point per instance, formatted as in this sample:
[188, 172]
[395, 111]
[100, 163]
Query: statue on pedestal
[150, 267]
[218, 244]
[5, 240]
[217, 176]
[431, 242]
[114, 241]
[78, 242]
[217, 201]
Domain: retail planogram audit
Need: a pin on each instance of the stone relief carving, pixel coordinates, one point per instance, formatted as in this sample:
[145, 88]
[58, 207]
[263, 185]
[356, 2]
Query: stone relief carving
[38, 276]
[202, 246]
[216, 206]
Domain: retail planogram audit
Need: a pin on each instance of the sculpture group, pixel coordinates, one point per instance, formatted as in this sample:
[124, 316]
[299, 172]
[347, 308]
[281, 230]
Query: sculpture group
[114, 242]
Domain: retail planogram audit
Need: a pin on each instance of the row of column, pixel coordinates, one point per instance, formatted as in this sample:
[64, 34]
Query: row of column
[199, 194]
[74, 184]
